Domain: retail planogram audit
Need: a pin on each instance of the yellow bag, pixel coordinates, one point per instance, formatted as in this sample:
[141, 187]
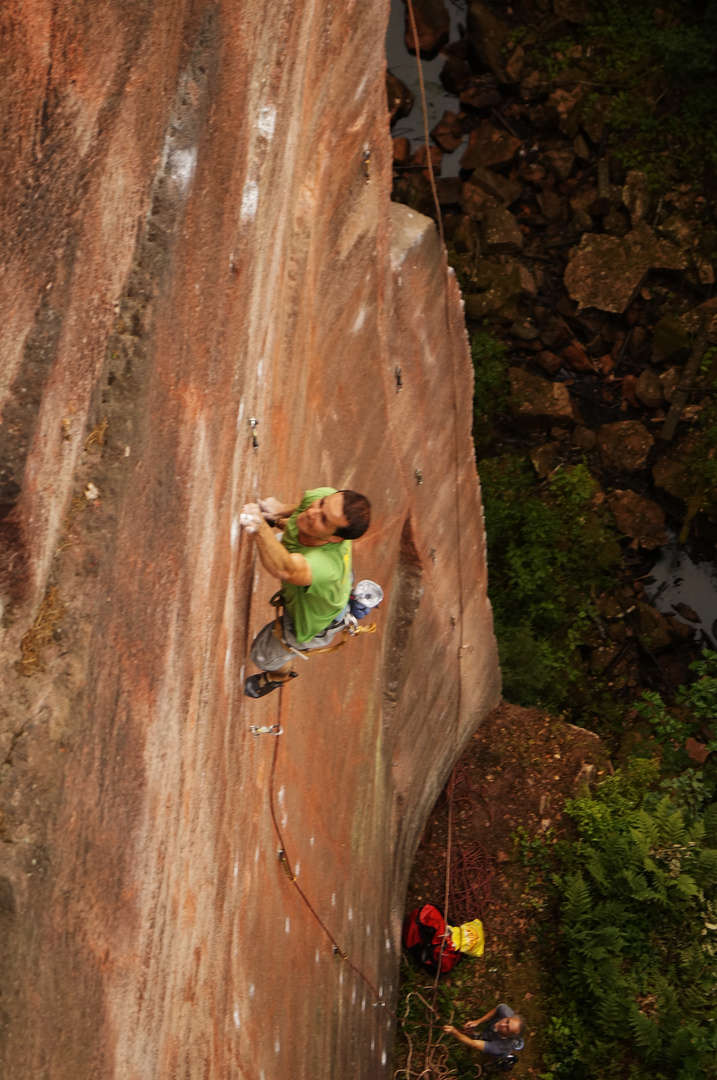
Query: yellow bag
[468, 938]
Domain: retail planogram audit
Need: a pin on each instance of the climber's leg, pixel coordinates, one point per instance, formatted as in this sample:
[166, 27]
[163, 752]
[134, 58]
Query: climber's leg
[275, 661]
[260, 685]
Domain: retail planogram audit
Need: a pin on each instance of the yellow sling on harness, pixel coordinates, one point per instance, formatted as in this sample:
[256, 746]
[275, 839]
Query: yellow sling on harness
[346, 633]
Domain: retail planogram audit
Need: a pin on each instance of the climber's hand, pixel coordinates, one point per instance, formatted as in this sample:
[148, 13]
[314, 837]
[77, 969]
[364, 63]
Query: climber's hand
[270, 508]
[251, 518]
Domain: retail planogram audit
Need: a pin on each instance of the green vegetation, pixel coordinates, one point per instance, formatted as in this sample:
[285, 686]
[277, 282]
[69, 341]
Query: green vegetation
[490, 395]
[550, 549]
[633, 944]
[656, 69]
[635, 991]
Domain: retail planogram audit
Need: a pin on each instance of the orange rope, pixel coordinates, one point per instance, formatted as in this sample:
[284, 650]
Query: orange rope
[459, 531]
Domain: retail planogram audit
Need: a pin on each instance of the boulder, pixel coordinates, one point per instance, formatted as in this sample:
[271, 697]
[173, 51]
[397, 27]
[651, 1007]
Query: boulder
[692, 320]
[500, 232]
[636, 195]
[687, 612]
[565, 107]
[580, 148]
[455, 74]
[538, 401]
[606, 271]
[449, 190]
[584, 438]
[421, 156]
[654, 627]
[515, 64]
[648, 390]
[545, 459]
[465, 238]
[433, 23]
[615, 223]
[475, 201]
[508, 191]
[481, 92]
[499, 286]
[523, 330]
[448, 133]
[534, 86]
[594, 118]
[582, 222]
[560, 162]
[670, 472]
[401, 150]
[669, 381]
[576, 358]
[624, 445]
[670, 340]
[489, 37]
[400, 98]
[639, 518]
[549, 362]
[551, 205]
[489, 146]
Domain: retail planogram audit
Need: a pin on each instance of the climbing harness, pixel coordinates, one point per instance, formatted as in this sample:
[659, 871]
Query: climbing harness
[350, 629]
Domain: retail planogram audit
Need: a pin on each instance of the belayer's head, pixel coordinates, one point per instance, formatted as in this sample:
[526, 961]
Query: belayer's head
[510, 1027]
[345, 515]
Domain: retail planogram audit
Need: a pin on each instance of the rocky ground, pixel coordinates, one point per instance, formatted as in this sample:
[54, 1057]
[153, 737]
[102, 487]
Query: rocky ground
[598, 277]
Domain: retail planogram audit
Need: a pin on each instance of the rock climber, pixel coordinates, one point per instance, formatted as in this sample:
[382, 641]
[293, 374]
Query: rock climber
[312, 560]
[500, 1037]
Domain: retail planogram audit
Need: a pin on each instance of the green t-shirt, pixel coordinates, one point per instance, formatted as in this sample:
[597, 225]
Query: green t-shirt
[314, 607]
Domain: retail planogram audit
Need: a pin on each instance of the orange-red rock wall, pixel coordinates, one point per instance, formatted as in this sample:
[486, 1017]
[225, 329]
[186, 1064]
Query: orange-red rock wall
[197, 231]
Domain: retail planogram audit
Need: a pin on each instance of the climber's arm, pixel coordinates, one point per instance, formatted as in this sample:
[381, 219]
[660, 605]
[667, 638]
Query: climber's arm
[475, 1044]
[276, 560]
[483, 1020]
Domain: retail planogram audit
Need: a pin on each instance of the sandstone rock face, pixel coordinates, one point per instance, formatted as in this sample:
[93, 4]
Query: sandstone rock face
[197, 232]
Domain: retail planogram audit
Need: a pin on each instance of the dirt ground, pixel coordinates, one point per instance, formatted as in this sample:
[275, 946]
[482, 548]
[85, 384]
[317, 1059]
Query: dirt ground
[516, 774]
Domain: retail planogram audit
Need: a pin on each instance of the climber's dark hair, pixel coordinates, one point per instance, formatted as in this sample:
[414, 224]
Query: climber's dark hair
[357, 511]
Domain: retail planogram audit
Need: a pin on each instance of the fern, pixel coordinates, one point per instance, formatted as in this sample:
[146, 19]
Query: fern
[578, 901]
[645, 1033]
[709, 821]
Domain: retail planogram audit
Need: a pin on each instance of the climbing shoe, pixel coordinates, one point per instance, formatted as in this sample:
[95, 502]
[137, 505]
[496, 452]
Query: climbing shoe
[260, 685]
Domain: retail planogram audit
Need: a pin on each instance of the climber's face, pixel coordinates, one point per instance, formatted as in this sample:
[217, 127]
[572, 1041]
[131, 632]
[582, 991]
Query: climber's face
[508, 1027]
[322, 518]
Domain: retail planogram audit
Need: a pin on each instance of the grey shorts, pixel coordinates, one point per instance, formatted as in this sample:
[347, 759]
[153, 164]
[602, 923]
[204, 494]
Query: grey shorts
[269, 654]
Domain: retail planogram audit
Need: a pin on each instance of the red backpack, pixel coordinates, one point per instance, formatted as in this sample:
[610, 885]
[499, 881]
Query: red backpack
[423, 932]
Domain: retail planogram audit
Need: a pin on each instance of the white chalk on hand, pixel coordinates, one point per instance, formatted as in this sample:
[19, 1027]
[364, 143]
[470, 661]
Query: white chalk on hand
[249, 522]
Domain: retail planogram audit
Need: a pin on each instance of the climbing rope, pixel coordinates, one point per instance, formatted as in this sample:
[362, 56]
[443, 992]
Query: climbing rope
[428, 1070]
[435, 1065]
